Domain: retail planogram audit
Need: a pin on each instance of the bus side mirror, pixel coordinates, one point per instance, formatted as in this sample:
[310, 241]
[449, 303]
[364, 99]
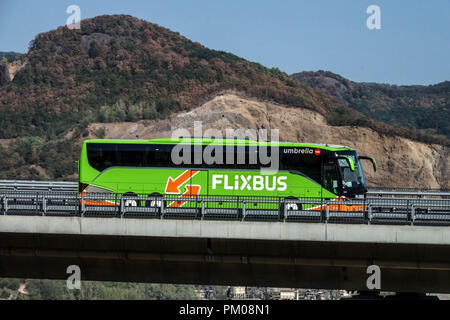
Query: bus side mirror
[350, 162]
[374, 163]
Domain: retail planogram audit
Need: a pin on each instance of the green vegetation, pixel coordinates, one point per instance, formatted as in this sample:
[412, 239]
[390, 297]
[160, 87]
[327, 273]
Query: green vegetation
[4, 293]
[9, 56]
[57, 290]
[11, 284]
[36, 159]
[125, 70]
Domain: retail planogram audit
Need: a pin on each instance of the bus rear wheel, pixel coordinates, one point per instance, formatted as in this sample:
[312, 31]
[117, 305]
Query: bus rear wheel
[289, 206]
[131, 202]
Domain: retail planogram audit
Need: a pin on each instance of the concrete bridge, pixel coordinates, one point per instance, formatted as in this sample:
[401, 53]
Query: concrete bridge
[412, 258]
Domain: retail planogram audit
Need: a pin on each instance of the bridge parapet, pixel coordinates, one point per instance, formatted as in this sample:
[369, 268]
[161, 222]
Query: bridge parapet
[408, 211]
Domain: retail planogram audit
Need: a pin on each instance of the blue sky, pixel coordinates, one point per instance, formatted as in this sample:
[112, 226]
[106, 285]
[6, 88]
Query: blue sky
[412, 47]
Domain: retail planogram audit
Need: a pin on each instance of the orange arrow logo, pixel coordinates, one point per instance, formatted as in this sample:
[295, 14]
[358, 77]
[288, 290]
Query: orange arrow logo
[191, 191]
[173, 186]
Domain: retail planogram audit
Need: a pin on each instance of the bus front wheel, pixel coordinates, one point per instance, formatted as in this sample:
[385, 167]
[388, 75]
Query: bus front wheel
[292, 206]
[156, 202]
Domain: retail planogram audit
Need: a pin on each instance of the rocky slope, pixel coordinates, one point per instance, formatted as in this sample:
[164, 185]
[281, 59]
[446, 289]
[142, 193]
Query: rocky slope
[9, 69]
[402, 163]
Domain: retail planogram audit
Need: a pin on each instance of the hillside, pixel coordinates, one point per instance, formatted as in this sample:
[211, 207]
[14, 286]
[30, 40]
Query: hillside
[74, 77]
[418, 107]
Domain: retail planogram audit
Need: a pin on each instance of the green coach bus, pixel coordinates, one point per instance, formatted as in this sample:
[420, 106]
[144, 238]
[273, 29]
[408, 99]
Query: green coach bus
[147, 168]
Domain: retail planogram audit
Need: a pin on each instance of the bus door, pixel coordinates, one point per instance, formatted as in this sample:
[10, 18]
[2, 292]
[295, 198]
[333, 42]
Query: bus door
[330, 179]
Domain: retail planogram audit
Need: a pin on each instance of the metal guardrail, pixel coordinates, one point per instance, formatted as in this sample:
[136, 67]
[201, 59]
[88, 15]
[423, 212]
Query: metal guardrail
[410, 211]
[6, 185]
[408, 193]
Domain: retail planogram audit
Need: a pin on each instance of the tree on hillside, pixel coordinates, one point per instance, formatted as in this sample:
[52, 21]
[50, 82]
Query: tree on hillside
[94, 50]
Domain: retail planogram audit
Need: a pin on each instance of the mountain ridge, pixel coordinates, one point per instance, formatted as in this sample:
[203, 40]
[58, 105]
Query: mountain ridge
[119, 57]
[10, 56]
[414, 106]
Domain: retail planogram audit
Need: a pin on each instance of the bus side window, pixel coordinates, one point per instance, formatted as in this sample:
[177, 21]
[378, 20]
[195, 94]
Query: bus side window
[306, 164]
[158, 156]
[196, 156]
[229, 157]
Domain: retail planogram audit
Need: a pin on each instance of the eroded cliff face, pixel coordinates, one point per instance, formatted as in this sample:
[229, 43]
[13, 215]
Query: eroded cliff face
[9, 69]
[402, 163]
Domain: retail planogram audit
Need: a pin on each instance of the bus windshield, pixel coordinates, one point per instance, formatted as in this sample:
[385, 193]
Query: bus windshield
[353, 182]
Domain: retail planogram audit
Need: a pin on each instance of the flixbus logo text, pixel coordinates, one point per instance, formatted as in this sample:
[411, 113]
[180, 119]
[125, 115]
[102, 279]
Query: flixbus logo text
[255, 183]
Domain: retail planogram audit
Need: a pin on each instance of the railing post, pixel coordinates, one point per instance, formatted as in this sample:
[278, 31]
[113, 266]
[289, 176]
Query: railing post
[237, 208]
[285, 214]
[162, 209]
[408, 210]
[321, 206]
[78, 202]
[196, 206]
[44, 205]
[243, 210]
[365, 211]
[413, 214]
[83, 208]
[37, 204]
[121, 208]
[202, 210]
[5, 206]
[327, 212]
[279, 207]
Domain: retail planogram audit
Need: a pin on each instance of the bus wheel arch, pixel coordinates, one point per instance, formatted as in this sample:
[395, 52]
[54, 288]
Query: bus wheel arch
[292, 206]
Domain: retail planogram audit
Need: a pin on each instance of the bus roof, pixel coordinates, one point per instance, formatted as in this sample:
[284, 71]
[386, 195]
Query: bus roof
[241, 142]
